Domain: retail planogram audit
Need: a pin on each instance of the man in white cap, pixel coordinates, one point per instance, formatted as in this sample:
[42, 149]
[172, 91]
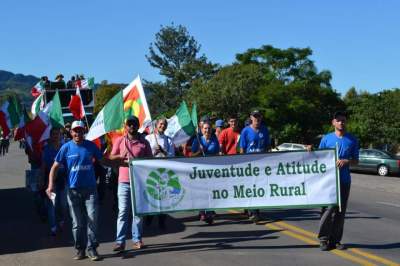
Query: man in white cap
[77, 156]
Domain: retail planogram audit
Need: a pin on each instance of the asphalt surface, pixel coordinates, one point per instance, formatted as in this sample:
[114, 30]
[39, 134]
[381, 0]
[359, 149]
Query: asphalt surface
[285, 237]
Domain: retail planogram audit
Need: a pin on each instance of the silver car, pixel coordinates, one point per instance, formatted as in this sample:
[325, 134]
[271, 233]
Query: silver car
[290, 147]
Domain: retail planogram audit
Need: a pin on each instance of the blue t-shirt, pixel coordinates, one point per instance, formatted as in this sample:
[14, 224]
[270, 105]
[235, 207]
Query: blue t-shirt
[78, 161]
[348, 149]
[254, 141]
[48, 156]
[210, 148]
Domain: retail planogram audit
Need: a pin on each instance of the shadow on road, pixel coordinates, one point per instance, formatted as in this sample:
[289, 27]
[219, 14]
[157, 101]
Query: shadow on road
[374, 246]
[21, 229]
[307, 215]
[212, 241]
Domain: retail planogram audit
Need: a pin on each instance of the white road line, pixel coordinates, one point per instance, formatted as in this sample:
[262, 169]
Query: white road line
[389, 204]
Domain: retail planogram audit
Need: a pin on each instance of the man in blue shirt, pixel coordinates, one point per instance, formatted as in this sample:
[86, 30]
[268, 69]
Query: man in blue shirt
[332, 220]
[254, 138]
[78, 156]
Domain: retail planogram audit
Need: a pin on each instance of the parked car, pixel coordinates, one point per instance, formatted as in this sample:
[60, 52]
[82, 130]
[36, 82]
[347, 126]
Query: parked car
[377, 161]
[290, 147]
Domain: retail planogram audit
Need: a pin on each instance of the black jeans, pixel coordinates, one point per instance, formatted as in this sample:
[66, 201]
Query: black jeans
[332, 221]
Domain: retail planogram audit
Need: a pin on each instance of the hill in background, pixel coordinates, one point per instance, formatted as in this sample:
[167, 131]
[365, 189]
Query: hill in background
[17, 83]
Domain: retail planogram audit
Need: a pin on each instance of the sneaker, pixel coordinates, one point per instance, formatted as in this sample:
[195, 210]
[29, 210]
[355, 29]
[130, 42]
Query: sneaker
[119, 248]
[323, 245]
[138, 245]
[80, 255]
[93, 255]
[255, 218]
[340, 246]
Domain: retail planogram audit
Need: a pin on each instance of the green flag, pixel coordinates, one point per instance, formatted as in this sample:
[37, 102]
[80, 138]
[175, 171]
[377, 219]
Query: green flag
[110, 118]
[55, 113]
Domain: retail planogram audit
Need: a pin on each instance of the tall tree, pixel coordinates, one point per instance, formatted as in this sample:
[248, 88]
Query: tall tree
[287, 65]
[176, 54]
[232, 90]
[373, 117]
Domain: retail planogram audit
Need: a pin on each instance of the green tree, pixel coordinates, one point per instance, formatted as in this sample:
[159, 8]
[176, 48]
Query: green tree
[176, 54]
[104, 93]
[373, 117]
[232, 90]
[287, 65]
[297, 99]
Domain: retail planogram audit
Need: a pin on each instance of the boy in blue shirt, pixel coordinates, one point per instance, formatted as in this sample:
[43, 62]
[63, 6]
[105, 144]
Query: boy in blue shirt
[78, 156]
[332, 221]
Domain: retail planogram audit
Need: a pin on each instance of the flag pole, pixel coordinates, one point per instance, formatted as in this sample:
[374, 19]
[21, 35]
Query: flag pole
[87, 123]
[198, 140]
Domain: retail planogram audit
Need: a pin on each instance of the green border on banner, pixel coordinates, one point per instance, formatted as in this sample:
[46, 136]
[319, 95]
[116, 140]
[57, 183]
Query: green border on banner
[309, 206]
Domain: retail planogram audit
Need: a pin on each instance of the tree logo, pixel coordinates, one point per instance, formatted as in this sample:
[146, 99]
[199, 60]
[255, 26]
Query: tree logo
[163, 190]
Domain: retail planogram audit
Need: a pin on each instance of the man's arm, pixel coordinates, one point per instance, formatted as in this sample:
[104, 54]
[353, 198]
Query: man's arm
[343, 162]
[52, 178]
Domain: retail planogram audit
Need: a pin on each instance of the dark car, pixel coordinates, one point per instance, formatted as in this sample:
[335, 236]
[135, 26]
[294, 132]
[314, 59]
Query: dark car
[377, 161]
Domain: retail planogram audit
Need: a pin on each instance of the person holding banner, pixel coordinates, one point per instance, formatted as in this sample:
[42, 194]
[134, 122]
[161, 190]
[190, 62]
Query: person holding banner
[161, 146]
[254, 138]
[206, 144]
[132, 145]
[332, 218]
[78, 156]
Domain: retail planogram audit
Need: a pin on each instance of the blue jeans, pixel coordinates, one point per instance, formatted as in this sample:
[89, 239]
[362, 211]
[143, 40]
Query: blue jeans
[83, 205]
[124, 213]
[56, 213]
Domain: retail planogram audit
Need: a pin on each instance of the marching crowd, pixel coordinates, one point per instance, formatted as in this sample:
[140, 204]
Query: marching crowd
[71, 165]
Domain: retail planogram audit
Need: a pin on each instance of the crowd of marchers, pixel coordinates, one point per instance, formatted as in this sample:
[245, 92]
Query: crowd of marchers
[72, 169]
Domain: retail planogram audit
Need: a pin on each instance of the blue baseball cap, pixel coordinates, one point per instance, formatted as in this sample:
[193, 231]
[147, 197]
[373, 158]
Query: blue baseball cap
[219, 123]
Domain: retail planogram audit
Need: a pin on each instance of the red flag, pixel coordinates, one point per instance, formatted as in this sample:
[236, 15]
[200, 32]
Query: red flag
[37, 89]
[3, 124]
[76, 106]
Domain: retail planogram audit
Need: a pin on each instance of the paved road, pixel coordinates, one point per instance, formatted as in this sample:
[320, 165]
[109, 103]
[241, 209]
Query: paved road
[372, 231]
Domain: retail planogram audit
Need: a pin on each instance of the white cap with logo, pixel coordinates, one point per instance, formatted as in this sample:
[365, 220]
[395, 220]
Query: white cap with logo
[77, 124]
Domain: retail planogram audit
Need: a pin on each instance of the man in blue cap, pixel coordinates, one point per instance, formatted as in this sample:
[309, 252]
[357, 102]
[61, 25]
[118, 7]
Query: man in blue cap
[219, 126]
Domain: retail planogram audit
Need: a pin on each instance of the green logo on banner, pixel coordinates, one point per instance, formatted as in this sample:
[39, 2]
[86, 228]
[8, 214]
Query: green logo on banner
[163, 190]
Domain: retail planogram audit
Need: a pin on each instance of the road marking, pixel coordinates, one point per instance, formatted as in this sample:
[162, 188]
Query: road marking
[374, 257]
[389, 204]
[307, 240]
[304, 235]
[354, 250]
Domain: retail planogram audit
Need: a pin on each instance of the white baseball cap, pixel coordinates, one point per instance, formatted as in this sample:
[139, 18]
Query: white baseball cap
[77, 124]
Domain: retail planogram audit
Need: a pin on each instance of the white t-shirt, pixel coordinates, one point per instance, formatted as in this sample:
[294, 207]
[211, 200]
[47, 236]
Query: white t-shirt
[165, 143]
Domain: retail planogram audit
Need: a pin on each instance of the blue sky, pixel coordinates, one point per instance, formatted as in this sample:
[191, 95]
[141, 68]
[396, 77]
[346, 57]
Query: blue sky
[358, 41]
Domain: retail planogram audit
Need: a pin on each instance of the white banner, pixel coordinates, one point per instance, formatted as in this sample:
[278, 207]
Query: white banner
[271, 180]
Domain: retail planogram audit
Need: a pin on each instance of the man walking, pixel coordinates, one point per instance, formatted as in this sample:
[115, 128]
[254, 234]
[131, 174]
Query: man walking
[132, 145]
[77, 157]
[332, 220]
[255, 138]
